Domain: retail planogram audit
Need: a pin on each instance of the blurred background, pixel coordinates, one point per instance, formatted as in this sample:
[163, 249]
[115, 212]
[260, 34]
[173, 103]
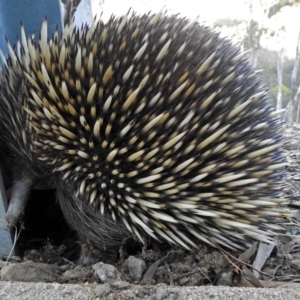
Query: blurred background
[269, 29]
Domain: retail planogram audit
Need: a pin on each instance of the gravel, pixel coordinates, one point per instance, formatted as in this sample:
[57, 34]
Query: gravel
[53, 291]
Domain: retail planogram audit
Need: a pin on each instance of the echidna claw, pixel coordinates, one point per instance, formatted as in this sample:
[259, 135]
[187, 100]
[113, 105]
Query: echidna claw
[20, 193]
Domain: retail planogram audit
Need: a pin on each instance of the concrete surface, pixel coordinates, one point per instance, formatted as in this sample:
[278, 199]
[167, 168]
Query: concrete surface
[53, 291]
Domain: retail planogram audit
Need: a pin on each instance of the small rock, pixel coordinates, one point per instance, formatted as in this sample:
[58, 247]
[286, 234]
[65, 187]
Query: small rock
[121, 285]
[78, 275]
[31, 272]
[140, 293]
[106, 273]
[184, 281]
[65, 268]
[225, 278]
[102, 290]
[161, 293]
[136, 267]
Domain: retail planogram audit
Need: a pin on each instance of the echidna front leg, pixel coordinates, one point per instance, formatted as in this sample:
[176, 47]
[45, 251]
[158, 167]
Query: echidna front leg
[20, 193]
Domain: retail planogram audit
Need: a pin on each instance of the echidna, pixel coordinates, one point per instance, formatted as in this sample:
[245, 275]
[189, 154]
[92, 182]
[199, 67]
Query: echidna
[146, 124]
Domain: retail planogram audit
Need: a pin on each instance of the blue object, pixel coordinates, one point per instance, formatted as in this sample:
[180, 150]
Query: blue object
[31, 13]
[6, 243]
